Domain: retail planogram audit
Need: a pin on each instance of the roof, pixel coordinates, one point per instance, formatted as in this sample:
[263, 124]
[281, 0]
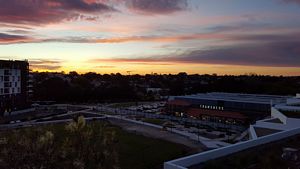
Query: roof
[218, 113]
[237, 97]
[178, 102]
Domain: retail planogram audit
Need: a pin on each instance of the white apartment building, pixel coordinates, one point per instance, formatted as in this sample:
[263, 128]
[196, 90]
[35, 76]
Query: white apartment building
[10, 81]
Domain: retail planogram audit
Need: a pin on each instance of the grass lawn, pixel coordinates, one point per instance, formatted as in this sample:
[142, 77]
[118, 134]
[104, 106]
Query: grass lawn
[139, 152]
[123, 105]
[134, 151]
[154, 121]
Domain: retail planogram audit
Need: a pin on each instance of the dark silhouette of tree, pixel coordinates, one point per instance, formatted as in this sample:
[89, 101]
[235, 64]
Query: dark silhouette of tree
[93, 87]
[76, 146]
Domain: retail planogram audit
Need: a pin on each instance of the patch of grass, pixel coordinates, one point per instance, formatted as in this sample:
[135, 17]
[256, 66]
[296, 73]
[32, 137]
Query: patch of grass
[139, 152]
[123, 105]
[133, 151]
[154, 121]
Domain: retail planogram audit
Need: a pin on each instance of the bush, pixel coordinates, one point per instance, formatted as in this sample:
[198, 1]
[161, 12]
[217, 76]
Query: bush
[76, 145]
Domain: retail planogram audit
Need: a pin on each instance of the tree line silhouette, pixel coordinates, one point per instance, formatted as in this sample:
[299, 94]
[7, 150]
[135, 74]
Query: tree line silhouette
[93, 87]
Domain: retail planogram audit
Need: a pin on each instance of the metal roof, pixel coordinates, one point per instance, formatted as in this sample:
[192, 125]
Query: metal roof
[238, 97]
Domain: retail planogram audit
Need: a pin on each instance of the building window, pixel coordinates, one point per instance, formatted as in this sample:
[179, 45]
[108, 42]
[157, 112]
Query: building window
[1, 78]
[1, 91]
[6, 78]
[7, 72]
[13, 90]
[6, 90]
[16, 84]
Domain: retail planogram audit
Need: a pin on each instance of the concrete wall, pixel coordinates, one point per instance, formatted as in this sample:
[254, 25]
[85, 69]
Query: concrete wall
[277, 114]
[183, 163]
[287, 107]
[19, 112]
[288, 122]
[293, 101]
[117, 111]
[293, 122]
[252, 133]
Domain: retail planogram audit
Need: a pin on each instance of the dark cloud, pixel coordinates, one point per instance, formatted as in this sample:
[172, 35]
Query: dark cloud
[47, 11]
[157, 6]
[40, 12]
[273, 54]
[20, 31]
[45, 64]
[150, 38]
[277, 54]
[260, 38]
[240, 27]
[9, 38]
[291, 1]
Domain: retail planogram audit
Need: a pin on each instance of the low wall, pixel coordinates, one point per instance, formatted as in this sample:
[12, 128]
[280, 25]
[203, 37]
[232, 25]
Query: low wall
[183, 163]
[277, 114]
[252, 133]
[117, 111]
[19, 112]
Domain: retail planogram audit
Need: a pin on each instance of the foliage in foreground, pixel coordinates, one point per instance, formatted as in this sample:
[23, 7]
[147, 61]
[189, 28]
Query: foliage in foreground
[76, 145]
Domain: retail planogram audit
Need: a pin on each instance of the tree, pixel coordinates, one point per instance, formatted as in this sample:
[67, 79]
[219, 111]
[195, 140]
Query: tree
[77, 145]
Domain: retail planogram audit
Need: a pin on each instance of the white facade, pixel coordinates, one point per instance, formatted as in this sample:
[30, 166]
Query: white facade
[10, 81]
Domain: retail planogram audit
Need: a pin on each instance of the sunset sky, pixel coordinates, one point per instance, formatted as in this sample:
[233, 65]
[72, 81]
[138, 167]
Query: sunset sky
[159, 36]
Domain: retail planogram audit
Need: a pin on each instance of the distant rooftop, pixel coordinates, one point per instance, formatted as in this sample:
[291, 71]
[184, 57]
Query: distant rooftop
[238, 97]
